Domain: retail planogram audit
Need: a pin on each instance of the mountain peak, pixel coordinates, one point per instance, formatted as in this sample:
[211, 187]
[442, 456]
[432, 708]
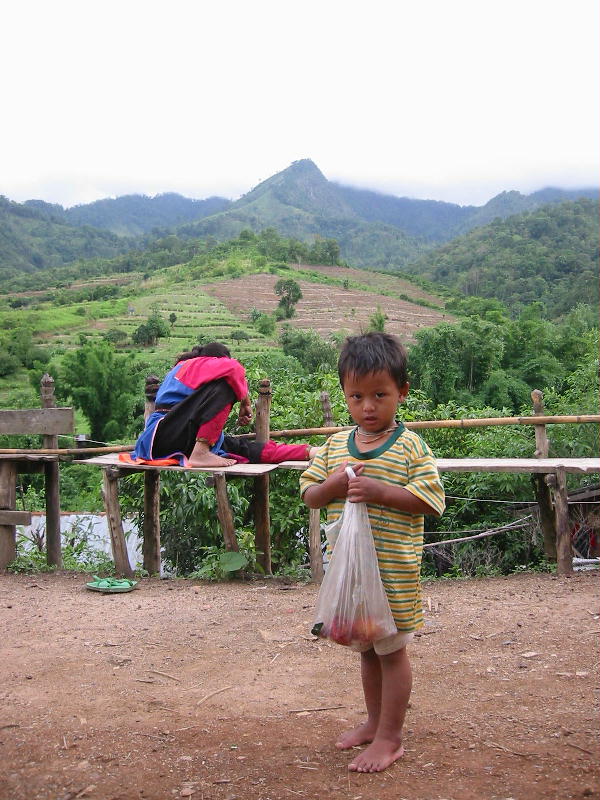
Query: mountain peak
[301, 185]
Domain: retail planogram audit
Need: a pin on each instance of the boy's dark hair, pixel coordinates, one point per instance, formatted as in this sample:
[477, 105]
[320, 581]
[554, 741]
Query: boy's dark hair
[215, 349]
[373, 352]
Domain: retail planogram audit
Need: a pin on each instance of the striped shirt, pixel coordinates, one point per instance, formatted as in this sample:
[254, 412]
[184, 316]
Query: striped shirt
[403, 460]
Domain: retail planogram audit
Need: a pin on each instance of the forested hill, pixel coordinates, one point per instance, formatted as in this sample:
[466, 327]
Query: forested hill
[31, 240]
[300, 202]
[550, 255]
[373, 230]
[134, 214]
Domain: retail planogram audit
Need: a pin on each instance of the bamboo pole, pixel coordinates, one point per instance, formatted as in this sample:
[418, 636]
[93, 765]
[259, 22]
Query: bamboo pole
[67, 451]
[327, 431]
[446, 423]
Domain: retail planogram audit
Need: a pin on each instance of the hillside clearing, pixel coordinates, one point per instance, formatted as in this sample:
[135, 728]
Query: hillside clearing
[218, 691]
[326, 308]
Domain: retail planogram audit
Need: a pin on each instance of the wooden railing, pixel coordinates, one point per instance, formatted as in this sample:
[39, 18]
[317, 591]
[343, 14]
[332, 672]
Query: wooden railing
[549, 477]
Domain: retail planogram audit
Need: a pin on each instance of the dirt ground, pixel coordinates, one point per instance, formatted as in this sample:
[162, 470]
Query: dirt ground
[218, 691]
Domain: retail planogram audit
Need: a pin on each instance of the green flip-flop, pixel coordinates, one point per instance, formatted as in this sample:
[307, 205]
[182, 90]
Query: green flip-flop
[109, 585]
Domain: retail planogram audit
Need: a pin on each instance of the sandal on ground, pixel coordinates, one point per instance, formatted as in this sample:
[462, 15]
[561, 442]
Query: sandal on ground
[111, 584]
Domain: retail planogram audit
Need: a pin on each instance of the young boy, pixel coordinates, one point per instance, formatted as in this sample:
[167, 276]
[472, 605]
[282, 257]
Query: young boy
[397, 478]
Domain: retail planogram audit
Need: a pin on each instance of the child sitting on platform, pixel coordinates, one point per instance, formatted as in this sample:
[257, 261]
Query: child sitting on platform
[192, 405]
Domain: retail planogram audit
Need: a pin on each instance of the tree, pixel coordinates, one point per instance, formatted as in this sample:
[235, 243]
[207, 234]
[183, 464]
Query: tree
[265, 324]
[289, 292]
[377, 321]
[150, 331]
[100, 384]
[314, 353]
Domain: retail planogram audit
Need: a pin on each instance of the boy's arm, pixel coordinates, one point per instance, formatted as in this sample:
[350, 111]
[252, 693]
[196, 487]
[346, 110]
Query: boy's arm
[334, 486]
[376, 492]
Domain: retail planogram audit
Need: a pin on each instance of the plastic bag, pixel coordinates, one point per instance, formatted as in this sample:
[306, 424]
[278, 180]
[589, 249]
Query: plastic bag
[352, 607]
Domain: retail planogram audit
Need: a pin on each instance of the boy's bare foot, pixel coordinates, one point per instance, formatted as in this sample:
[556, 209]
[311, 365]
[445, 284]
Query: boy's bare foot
[202, 456]
[379, 755]
[210, 460]
[363, 734]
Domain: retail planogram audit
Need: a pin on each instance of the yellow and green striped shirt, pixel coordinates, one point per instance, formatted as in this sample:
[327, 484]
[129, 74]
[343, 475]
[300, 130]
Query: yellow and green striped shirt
[403, 460]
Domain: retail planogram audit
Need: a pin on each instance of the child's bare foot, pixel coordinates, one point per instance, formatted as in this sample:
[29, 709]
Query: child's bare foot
[312, 452]
[363, 734]
[211, 460]
[202, 456]
[377, 757]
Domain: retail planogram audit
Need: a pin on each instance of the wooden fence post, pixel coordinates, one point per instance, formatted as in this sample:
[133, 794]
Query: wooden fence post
[326, 406]
[51, 483]
[8, 501]
[150, 390]
[563, 529]
[314, 545]
[151, 545]
[224, 512]
[262, 520]
[540, 485]
[110, 490]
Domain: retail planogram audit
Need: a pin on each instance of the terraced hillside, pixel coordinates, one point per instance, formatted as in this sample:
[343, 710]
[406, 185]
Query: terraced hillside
[329, 308]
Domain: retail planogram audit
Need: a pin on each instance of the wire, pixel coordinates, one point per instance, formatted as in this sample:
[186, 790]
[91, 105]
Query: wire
[480, 500]
[519, 523]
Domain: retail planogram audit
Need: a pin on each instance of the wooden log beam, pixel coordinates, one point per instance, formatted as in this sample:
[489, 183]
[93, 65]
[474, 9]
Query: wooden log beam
[314, 545]
[15, 517]
[151, 545]
[262, 519]
[224, 512]
[8, 499]
[564, 550]
[110, 490]
[52, 479]
[540, 487]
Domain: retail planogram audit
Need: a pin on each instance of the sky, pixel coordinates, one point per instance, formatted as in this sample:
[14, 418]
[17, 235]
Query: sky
[453, 100]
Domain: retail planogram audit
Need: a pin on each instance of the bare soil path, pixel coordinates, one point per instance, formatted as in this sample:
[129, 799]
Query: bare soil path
[218, 691]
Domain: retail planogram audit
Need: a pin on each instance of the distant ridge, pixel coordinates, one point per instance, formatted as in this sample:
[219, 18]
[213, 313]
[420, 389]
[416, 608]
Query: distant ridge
[134, 214]
[373, 229]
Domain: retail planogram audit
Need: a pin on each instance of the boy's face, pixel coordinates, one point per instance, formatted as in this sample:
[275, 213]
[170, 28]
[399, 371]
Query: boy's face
[373, 399]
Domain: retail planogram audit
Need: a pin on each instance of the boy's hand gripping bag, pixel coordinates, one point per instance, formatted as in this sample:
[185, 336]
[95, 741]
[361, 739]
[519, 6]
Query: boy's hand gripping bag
[352, 607]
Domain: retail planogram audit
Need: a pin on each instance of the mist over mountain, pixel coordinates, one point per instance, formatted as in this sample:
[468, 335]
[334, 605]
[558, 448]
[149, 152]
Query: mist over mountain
[373, 229]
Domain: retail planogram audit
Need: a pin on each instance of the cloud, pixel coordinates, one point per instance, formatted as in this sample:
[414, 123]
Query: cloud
[452, 100]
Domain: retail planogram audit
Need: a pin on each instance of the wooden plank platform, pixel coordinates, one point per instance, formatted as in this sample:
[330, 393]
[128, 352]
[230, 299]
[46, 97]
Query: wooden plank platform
[112, 460]
[534, 465]
[585, 465]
